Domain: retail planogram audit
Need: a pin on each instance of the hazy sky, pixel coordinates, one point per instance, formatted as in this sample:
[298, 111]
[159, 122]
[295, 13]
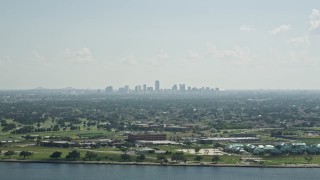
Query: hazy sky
[228, 44]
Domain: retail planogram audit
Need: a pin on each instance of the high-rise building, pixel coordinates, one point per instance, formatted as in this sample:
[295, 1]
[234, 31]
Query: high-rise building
[182, 87]
[144, 88]
[157, 86]
[126, 89]
[174, 87]
[109, 89]
[137, 89]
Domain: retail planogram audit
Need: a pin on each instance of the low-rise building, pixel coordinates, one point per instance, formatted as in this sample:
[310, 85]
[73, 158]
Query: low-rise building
[148, 137]
[227, 139]
[149, 143]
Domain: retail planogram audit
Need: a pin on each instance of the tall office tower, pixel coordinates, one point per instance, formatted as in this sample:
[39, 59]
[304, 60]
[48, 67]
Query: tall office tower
[174, 87]
[126, 89]
[137, 89]
[144, 88]
[182, 87]
[109, 89]
[157, 86]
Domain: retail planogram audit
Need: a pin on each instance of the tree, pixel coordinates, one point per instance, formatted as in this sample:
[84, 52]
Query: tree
[24, 129]
[8, 127]
[29, 137]
[215, 159]
[276, 152]
[198, 158]
[162, 158]
[123, 149]
[125, 157]
[55, 155]
[73, 155]
[9, 153]
[308, 158]
[55, 128]
[25, 154]
[178, 156]
[90, 155]
[216, 145]
[140, 158]
[197, 149]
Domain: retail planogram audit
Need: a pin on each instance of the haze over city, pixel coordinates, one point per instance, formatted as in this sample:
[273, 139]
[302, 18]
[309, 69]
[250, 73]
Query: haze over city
[86, 44]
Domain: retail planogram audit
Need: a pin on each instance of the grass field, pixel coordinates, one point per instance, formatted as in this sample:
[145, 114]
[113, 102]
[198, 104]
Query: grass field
[104, 154]
[279, 160]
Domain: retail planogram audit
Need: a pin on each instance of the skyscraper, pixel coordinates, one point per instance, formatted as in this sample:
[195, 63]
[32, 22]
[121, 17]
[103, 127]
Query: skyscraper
[126, 89]
[138, 89]
[174, 87]
[109, 89]
[182, 87]
[144, 88]
[157, 86]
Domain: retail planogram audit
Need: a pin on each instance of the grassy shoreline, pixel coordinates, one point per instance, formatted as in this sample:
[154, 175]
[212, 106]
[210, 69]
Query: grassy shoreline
[113, 156]
[159, 164]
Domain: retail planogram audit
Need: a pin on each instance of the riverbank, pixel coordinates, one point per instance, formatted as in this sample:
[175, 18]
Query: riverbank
[159, 164]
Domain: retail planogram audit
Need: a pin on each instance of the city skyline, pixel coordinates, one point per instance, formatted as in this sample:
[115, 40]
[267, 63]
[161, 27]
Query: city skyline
[157, 88]
[230, 44]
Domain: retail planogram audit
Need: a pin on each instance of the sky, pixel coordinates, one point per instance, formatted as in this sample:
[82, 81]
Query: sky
[229, 44]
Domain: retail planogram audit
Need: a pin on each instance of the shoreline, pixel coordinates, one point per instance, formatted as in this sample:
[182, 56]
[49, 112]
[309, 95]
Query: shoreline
[164, 165]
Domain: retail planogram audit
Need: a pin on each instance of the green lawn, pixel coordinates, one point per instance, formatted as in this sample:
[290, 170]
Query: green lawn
[298, 159]
[104, 154]
[113, 154]
[43, 153]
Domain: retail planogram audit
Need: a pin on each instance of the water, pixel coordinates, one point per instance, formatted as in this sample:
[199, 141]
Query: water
[47, 171]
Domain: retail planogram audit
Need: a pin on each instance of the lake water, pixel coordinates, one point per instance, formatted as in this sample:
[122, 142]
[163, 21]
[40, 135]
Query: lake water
[47, 171]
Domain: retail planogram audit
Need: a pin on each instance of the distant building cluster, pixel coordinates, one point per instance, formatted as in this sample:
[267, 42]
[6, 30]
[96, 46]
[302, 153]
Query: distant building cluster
[144, 89]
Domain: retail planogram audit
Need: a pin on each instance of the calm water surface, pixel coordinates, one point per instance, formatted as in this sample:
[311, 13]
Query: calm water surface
[35, 171]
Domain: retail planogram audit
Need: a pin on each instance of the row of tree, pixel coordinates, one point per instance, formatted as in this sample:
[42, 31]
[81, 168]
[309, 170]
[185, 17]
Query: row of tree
[23, 154]
[75, 155]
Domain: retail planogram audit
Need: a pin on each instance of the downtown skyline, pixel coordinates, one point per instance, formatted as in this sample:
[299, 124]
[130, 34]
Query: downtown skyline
[156, 88]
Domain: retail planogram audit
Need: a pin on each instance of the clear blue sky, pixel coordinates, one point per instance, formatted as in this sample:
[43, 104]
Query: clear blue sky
[245, 44]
